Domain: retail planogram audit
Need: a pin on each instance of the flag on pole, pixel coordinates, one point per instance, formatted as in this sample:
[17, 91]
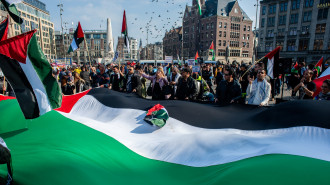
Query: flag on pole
[318, 66]
[271, 59]
[125, 32]
[12, 10]
[212, 50]
[30, 75]
[78, 38]
[295, 68]
[319, 81]
[196, 57]
[4, 30]
[199, 7]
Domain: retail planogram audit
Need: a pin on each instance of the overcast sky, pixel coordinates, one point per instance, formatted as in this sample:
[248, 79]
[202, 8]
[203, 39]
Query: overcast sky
[160, 14]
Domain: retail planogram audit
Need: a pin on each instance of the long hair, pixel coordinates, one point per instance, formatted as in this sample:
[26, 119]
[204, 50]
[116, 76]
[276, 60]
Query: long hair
[160, 69]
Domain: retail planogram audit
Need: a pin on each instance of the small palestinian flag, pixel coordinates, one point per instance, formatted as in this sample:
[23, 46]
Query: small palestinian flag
[12, 10]
[318, 66]
[157, 115]
[4, 30]
[271, 60]
[78, 38]
[125, 32]
[295, 68]
[199, 7]
[196, 57]
[212, 50]
[30, 75]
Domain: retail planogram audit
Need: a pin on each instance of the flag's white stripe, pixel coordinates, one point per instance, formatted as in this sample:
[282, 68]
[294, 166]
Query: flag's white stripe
[325, 73]
[13, 1]
[270, 68]
[74, 45]
[38, 87]
[183, 144]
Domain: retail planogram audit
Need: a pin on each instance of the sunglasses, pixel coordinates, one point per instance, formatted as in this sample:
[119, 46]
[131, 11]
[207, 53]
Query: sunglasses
[261, 73]
[324, 87]
[227, 74]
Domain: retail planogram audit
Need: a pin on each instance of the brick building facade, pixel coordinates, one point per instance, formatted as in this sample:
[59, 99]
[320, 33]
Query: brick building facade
[172, 43]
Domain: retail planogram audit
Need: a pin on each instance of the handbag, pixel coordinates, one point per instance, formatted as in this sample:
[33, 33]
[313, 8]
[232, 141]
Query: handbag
[149, 90]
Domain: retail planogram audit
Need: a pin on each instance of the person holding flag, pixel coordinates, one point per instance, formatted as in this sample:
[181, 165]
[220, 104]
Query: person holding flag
[196, 57]
[212, 50]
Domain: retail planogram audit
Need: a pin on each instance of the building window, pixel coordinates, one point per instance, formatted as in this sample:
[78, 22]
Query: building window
[318, 44]
[269, 46]
[234, 44]
[322, 14]
[307, 16]
[225, 25]
[295, 4]
[271, 21]
[245, 54]
[219, 42]
[305, 30]
[282, 20]
[224, 43]
[264, 10]
[308, 3]
[293, 31]
[303, 45]
[320, 28]
[224, 34]
[270, 33]
[294, 18]
[279, 43]
[272, 9]
[284, 6]
[220, 33]
[221, 52]
[235, 53]
[291, 45]
[220, 24]
[263, 22]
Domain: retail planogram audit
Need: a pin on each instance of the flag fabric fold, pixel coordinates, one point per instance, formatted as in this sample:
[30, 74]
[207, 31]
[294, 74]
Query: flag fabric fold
[212, 50]
[125, 32]
[30, 75]
[12, 10]
[103, 134]
[196, 57]
[318, 66]
[78, 38]
[199, 5]
[271, 61]
[4, 30]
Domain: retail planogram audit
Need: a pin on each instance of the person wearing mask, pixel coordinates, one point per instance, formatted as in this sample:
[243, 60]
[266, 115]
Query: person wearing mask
[132, 82]
[187, 88]
[116, 79]
[325, 91]
[259, 90]
[306, 87]
[158, 81]
[229, 90]
[103, 79]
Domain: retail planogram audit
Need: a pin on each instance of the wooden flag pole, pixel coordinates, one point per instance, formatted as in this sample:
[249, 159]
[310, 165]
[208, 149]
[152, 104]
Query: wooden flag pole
[89, 56]
[252, 66]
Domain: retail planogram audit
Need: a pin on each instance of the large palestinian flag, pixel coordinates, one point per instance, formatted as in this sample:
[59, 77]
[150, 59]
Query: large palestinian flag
[4, 30]
[30, 75]
[100, 137]
[78, 38]
[12, 10]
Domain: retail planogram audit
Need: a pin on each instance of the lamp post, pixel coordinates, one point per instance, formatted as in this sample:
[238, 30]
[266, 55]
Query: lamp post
[60, 5]
[256, 32]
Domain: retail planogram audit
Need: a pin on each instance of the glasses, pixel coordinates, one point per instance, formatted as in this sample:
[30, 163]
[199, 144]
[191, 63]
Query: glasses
[324, 87]
[227, 74]
[261, 73]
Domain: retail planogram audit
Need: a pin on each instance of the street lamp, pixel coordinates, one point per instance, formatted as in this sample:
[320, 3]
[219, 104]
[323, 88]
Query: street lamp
[60, 5]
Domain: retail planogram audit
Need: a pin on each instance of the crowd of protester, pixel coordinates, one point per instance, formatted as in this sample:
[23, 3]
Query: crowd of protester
[210, 83]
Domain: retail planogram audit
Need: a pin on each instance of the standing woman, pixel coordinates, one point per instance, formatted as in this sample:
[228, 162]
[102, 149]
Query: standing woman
[159, 81]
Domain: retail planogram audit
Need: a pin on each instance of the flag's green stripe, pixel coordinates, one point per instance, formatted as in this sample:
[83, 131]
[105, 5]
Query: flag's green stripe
[44, 71]
[56, 150]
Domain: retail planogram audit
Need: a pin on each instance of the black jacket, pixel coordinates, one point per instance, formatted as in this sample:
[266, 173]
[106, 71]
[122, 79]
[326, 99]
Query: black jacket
[116, 81]
[135, 82]
[186, 89]
[226, 92]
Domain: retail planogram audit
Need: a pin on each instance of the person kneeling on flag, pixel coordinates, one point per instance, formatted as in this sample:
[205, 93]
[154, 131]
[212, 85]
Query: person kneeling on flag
[258, 91]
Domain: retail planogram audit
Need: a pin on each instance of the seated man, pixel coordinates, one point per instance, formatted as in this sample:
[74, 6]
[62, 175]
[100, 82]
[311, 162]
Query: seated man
[229, 90]
[258, 91]
[187, 88]
[132, 82]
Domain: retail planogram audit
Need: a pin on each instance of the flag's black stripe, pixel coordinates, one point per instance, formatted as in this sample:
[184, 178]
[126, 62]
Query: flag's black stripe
[16, 18]
[21, 86]
[244, 117]
[3, 28]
